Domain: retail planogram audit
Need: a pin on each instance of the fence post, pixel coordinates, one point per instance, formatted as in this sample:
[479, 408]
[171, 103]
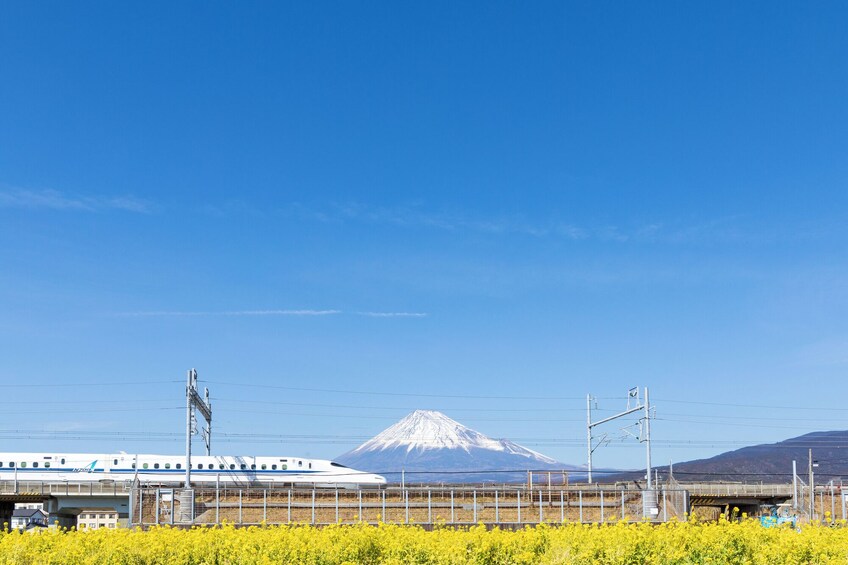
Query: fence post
[337, 505]
[140, 507]
[602, 506]
[264, 505]
[541, 515]
[241, 520]
[131, 510]
[360, 504]
[832, 504]
[665, 505]
[289, 507]
[313, 505]
[453, 516]
[384, 506]
[497, 513]
[622, 504]
[561, 506]
[474, 502]
[518, 493]
[156, 513]
[406, 505]
[580, 504]
[429, 508]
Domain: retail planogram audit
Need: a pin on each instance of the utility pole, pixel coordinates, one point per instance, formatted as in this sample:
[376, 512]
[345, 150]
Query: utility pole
[204, 406]
[632, 394]
[589, 433]
[812, 487]
[794, 484]
[648, 436]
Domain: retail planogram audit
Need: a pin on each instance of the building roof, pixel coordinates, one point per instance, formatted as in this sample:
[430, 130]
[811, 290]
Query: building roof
[27, 512]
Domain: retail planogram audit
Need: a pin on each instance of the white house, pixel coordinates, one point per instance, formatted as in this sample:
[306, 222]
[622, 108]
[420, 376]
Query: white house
[28, 518]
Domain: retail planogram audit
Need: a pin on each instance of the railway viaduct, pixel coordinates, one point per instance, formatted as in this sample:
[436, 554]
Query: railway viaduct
[64, 501]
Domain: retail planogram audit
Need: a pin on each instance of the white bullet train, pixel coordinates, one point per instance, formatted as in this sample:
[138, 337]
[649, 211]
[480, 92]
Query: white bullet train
[164, 469]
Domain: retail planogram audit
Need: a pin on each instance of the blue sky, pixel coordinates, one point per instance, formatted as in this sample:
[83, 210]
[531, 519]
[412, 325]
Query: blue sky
[341, 212]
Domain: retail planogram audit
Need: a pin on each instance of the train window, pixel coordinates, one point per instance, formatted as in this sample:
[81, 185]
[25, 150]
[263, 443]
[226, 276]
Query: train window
[285, 466]
[133, 465]
[310, 464]
[23, 465]
[47, 464]
[300, 463]
[144, 466]
[220, 465]
[264, 466]
[284, 460]
[156, 465]
[63, 461]
[253, 466]
[114, 461]
[11, 464]
[35, 464]
[274, 466]
[232, 466]
[179, 465]
[167, 465]
[200, 465]
[243, 466]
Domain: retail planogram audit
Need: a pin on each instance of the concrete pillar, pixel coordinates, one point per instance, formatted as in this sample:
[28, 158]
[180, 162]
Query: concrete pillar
[6, 509]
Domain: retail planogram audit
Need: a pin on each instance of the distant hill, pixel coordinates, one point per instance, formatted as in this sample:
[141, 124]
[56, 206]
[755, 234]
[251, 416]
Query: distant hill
[771, 462]
[430, 447]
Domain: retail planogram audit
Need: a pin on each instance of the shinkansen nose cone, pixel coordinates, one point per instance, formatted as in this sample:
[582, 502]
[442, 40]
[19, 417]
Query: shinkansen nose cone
[379, 479]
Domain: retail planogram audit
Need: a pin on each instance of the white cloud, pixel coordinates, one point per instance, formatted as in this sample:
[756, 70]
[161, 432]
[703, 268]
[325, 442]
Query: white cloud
[414, 216]
[394, 314]
[304, 312]
[179, 313]
[56, 200]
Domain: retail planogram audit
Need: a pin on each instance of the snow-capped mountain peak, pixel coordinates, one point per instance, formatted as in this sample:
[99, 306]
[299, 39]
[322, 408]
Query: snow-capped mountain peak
[428, 429]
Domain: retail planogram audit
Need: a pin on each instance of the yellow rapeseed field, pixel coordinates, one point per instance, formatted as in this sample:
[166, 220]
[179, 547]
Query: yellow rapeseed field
[619, 543]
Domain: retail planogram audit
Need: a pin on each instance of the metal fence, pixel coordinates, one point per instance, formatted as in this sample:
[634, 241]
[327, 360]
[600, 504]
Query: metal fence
[456, 505]
[66, 488]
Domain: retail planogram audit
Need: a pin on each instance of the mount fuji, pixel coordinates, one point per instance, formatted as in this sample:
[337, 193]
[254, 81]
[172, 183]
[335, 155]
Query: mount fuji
[430, 447]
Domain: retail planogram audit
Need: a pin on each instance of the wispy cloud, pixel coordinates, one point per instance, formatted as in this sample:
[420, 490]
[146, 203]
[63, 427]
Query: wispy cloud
[186, 313]
[198, 313]
[676, 231]
[394, 314]
[56, 200]
[415, 216]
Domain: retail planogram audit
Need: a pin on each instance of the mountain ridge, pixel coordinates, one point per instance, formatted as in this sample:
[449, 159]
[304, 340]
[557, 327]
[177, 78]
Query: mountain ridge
[432, 447]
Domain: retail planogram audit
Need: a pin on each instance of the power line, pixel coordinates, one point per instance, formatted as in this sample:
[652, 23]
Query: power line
[764, 406]
[402, 394]
[410, 395]
[384, 407]
[74, 385]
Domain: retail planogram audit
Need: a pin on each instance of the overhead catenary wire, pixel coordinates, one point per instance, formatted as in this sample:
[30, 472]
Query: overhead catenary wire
[227, 405]
[80, 384]
[399, 394]
[112, 383]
